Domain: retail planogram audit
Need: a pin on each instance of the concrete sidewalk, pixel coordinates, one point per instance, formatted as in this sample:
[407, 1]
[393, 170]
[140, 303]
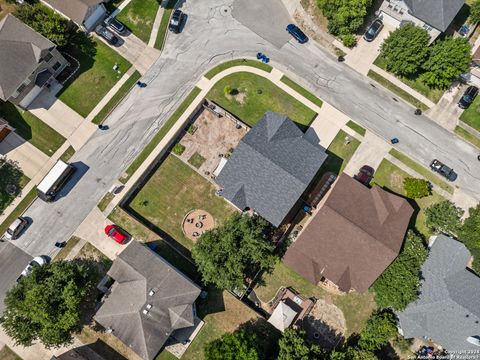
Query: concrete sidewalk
[156, 26]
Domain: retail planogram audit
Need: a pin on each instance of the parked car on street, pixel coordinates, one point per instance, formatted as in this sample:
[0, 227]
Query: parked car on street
[298, 34]
[373, 30]
[176, 21]
[106, 34]
[443, 170]
[36, 261]
[365, 175]
[116, 25]
[16, 228]
[468, 97]
[116, 233]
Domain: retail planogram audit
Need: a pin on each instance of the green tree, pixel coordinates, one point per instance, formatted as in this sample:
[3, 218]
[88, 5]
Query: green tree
[352, 353]
[398, 285]
[379, 330]
[48, 23]
[470, 235]
[416, 188]
[239, 345]
[293, 346]
[448, 59]
[10, 182]
[405, 50]
[344, 16]
[444, 217]
[238, 248]
[46, 304]
[349, 40]
[475, 12]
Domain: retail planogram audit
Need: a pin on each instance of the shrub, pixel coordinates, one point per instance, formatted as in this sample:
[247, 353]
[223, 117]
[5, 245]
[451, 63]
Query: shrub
[178, 149]
[416, 188]
[227, 90]
[349, 40]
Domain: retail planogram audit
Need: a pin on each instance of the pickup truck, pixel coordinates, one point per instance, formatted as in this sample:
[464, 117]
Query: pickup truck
[443, 170]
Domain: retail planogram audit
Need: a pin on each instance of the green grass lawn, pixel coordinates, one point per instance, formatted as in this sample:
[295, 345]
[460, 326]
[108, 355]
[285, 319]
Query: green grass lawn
[159, 135]
[426, 173]
[396, 90]
[256, 95]
[174, 190]
[416, 84]
[63, 253]
[357, 128]
[115, 100]
[302, 91]
[95, 77]
[471, 116]
[26, 201]
[139, 17]
[107, 199]
[8, 354]
[196, 160]
[12, 180]
[68, 154]
[237, 62]
[355, 307]
[339, 153]
[31, 128]
[162, 30]
[468, 136]
[391, 177]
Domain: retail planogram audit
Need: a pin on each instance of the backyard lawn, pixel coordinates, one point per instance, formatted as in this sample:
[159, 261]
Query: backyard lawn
[471, 116]
[95, 77]
[12, 181]
[172, 191]
[391, 177]
[31, 128]
[355, 307]
[339, 153]
[139, 17]
[254, 95]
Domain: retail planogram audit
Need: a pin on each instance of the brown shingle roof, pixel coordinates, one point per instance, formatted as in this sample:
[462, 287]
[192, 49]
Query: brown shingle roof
[353, 238]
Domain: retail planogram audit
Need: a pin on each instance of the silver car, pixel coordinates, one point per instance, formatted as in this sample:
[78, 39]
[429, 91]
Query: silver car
[15, 229]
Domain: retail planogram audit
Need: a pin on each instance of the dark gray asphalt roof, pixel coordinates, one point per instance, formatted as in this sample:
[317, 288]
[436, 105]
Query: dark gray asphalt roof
[137, 271]
[448, 309]
[437, 13]
[12, 262]
[270, 168]
[21, 50]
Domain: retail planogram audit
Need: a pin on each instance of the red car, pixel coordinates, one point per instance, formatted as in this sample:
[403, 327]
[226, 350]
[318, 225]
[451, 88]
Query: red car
[117, 234]
[365, 175]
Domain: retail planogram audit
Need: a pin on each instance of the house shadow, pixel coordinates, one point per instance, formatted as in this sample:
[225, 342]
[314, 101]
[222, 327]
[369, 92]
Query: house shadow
[13, 116]
[96, 350]
[320, 333]
[210, 303]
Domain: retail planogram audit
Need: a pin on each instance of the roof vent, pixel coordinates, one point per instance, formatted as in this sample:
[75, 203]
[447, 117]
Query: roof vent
[152, 292]
[145, 312]
[149, 306]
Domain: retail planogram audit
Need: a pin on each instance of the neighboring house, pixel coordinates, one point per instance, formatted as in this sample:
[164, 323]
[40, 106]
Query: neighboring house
[5, 129]
[270, 169]
[29, 61]
[148, 302]
[435, 16]
[353, 237]
[448, 309]
[473, 77]
[85, 13]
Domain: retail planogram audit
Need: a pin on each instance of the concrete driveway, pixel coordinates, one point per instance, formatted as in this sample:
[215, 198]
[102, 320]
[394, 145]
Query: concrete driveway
[446, 112]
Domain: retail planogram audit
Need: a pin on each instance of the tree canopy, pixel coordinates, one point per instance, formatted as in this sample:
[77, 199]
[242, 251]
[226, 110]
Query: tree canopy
[470, 235]
[239, 345]
[475, 12]
[379, 330]
[46, 304]
[293, 346]
[444, 217]
[344, 16]
[398, 285]
[238, 248]
[449, 58]
[405, 50]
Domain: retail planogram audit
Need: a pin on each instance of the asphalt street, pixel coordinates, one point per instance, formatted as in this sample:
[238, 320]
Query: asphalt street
[213, 35]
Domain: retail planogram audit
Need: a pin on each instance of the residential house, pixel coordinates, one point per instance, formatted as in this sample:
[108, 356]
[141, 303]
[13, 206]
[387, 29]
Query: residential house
[29, 62]
[5, 129]
[85, 13]
[149, 301]
[435, 16]
[448, 308]
[352, 238]
[271, 168]
[473, 76]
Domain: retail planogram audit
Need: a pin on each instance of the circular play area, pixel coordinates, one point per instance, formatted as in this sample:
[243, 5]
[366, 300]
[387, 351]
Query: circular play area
[196, 222]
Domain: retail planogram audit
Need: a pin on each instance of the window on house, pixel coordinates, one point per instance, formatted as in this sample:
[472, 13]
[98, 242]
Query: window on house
[48, 57]
[56, 66]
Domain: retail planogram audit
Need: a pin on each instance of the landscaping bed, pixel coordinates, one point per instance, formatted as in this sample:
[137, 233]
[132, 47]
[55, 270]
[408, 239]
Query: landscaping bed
[95, 77]
[139, 16]
[250, 96]
[471, 116]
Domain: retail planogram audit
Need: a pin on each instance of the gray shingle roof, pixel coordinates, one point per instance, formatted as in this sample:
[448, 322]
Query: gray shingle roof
[136, 271]
[21, 49]
[437, 13]
[270, 168]
[448, 309]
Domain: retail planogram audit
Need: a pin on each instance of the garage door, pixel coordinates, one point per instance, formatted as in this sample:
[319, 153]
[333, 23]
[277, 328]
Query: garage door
[27, 100]
[98, 15]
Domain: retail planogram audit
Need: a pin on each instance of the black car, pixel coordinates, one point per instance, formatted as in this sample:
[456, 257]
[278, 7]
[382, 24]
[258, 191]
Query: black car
[178, 17]
[298, 34]
[373, 30]
[443, 170]
[468, 97]
[106, 34]
[116, 25]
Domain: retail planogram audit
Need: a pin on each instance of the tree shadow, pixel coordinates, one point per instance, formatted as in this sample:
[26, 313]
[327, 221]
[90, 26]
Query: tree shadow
[267, 337]
[13, 116]
[212, 303]
[10, 182]
[97, 349]
[320, 333]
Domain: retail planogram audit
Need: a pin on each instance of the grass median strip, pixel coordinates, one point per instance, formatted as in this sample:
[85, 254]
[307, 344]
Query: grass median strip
[426, 173]
[107, 199]
[396, 90]
[468, 136]
[357, 128]
[67, 154]
[160, 135]
[302, 91]
[237, 62]
[24, 204]
[63, 253]
[162, 29]
[115, 100]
